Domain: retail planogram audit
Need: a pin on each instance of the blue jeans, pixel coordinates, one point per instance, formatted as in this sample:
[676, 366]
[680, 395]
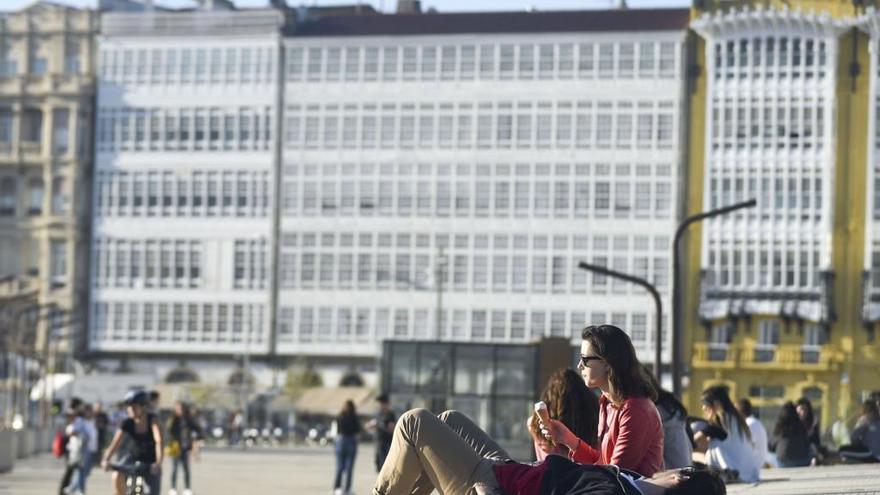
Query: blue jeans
[181, 460]
[346, 450]
[81, 474]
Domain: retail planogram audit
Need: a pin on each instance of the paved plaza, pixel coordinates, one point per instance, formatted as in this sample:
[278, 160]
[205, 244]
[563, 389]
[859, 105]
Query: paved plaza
[308, 471]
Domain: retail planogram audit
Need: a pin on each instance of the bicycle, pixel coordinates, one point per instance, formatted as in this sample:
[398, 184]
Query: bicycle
[136, 477]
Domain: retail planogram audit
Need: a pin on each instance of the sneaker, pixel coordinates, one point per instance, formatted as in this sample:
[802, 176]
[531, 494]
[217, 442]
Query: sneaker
[338, 491]
[172, 491]
[187, 492]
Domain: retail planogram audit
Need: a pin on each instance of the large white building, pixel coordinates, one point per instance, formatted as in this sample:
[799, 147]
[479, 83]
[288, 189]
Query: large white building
[484, 155]
[183, 190]
[495, 149]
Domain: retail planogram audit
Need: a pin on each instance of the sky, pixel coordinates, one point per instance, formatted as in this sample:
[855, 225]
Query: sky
[389, 5]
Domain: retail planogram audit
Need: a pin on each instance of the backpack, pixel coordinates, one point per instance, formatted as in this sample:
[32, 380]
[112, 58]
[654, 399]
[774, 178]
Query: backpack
[59, 444]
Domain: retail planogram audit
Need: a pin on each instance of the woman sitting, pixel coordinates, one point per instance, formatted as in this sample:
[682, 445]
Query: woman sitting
[570, 401]
[790, 439]
[865, 438]
[725, 436]
[460, 459]
[678, 447]
[630, 432]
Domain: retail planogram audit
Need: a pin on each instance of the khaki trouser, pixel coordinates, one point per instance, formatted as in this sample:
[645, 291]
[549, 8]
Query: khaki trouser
[449, 453]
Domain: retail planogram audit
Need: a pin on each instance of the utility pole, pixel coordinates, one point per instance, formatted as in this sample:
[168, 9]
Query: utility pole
[245, 379]
[439, 276]
[676, 286]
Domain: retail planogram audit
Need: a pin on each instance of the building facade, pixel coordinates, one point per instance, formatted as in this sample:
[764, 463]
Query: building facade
[780, 300]
[47, 90]
[183, 189]
[444, 174]
[439, 176]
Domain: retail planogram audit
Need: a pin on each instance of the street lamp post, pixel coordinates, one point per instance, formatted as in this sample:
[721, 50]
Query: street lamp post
[658, 340]
[676, 286]
[439, 275]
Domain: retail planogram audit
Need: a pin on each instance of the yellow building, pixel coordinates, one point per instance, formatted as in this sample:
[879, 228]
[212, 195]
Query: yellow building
[782, 300]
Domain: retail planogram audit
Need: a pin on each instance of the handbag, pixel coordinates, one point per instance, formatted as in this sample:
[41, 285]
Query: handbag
[173, 449]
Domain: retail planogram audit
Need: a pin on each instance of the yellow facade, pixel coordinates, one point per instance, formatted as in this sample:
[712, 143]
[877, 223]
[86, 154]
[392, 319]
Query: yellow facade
[839, 376]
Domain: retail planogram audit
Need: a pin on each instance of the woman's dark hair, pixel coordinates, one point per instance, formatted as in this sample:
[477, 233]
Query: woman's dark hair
[185, 409]
[627, 378]
[870, 410]
[665, 399]
[700, 481]
[724, 413]
[789, 424]
[745, 407]
[348, 409]
[810, 420]
[569, 400]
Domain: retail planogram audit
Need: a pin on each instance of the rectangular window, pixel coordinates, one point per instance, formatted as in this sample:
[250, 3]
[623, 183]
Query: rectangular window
[389, 63]
[487, 62]
[61, 130]
[506, 61]
[586, 55]
[667, 60]
[429, 62]
[606, 60]
[626, 60]
[58, 263]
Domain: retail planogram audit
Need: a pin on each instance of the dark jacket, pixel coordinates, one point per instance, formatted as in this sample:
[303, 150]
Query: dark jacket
[564, 477]
[348, 425]
[794, 446]
[184, 430]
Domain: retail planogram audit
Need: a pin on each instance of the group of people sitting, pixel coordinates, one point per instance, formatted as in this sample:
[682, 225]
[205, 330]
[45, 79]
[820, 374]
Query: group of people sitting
[638, 445]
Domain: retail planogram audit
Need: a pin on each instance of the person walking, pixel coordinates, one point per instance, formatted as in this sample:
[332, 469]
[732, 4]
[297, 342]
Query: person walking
[90, 453]
[759, 433]
[348, 427]
[183, 437]
[73, 447]
[630, 430]
[383, 423]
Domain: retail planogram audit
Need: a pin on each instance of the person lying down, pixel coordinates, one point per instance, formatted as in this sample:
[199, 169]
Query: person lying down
[451, 454]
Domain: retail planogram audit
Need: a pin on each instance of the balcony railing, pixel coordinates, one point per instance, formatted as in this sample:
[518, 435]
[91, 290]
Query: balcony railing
[764, 353]
[757, 356]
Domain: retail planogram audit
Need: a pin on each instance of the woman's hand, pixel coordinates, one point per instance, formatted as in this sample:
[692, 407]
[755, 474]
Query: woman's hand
[559, 433]
[105, 464]
[155, 468]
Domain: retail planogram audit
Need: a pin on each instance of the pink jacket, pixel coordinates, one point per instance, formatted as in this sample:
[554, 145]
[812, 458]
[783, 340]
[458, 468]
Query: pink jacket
[631, 437]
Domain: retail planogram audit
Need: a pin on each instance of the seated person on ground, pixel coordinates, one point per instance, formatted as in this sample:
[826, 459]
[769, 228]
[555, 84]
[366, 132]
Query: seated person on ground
[455, 457]
[629, 427]
[725, 436]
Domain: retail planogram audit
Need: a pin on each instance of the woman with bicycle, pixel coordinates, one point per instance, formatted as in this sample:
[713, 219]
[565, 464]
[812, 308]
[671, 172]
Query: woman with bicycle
[145, 435]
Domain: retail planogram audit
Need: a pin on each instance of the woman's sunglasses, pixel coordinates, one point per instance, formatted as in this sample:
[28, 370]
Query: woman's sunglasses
[585, 360]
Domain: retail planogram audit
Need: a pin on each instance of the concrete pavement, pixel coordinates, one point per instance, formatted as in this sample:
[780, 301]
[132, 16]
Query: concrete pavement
[309, 471]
